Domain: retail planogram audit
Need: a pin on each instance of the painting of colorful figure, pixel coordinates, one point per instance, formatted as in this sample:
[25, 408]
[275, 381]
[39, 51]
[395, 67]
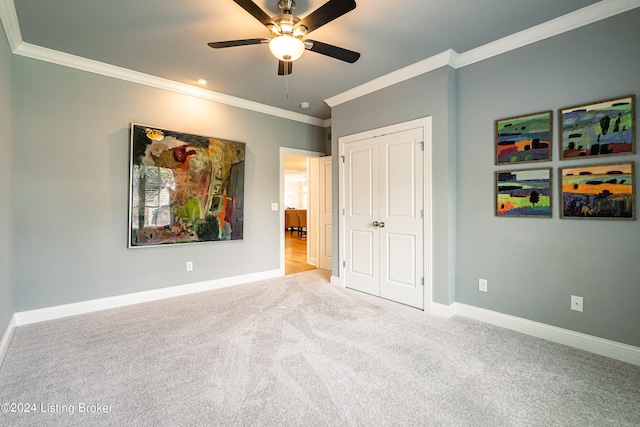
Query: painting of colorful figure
[184, 188]
[524, 139]
[600, 129]
[524, 192]
[598, 191]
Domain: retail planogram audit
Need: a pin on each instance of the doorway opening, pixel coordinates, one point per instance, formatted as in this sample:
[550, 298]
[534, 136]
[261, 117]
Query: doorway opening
[296, 212]
[298, 190]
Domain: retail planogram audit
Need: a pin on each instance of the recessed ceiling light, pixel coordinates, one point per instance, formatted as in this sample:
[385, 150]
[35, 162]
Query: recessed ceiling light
[202, 81]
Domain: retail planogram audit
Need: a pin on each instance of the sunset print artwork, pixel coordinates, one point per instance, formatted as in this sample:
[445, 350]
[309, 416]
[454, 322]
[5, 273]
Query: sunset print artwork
[598, 191]
[523, 193]
[524, 139]
[603, 128]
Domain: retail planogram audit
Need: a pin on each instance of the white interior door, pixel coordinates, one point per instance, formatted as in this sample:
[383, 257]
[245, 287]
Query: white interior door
[383, 195]
[325, 209]
[313, 213]
[400, 213]
[361, 166]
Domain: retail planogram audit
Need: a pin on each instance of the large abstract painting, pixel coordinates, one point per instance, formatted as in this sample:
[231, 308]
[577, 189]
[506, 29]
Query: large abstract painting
[524, 192]
[600, 129]
[524, 139]
[598, 191]
[184, 188]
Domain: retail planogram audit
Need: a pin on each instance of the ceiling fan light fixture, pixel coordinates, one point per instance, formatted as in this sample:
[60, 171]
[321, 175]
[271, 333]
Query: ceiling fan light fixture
[286, 47]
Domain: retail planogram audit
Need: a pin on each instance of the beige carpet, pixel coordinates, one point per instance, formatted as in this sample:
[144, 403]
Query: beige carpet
[296, 351]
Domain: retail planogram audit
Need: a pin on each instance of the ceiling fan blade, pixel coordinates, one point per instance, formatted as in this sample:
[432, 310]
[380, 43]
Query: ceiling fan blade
[256, 12]
[285, 67]
[232, 43]
[333, 51]
[326, 13]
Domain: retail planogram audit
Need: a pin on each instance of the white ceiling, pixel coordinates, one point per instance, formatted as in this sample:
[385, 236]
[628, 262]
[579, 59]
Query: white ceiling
[168, 39]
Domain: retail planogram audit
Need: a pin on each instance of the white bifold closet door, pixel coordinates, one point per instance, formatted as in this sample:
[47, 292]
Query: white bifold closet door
[383, 179]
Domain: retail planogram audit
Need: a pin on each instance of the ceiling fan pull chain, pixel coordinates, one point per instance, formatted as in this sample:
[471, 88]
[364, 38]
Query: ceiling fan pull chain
[286, 86]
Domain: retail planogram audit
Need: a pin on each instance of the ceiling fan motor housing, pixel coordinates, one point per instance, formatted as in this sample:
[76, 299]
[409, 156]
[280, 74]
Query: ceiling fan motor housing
[287, 6]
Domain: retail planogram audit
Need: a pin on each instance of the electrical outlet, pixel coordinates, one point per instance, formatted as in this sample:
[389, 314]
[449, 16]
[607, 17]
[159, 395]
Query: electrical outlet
[189, 265]
[482, 285]
[576, 303]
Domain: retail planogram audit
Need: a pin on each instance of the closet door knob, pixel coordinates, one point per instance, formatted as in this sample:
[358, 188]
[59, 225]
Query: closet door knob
[376, 223]
[381, 224]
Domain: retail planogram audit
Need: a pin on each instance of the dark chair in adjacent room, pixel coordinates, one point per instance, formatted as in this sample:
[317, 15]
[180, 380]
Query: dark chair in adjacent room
[302, 222]
[291, 220]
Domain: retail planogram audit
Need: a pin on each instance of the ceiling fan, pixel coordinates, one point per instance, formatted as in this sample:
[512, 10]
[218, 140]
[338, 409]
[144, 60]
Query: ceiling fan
[288, 32]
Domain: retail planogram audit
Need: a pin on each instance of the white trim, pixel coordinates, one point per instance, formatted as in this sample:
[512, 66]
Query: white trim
[585, 16]
[421, 67]
[284, 151]
[96, 67]
[425, 124]
[579, 18]
[624, 352]
[335, 281]
[443, 310]
[427, 206]
[60, 311]
[398, 127]
[6, 338]
[9, 18]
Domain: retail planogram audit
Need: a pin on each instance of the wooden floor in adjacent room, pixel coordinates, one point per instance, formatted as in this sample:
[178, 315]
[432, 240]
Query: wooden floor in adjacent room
[295, 253]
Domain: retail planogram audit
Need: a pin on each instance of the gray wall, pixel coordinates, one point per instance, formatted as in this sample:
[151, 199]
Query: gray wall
[431, 94]
[6, 143]
[71, 178]
[533, 266]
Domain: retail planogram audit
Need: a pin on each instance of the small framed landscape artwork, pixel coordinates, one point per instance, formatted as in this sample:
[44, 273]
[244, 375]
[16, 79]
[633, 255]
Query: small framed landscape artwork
[524, 192]
[598, 191]
[524, 139]
[604, 128]
[184, 188]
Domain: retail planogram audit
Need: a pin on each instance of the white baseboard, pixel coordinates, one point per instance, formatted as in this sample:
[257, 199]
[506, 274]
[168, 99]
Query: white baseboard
[615, 350]
[6, 338]
[443, 310]
[66, 310]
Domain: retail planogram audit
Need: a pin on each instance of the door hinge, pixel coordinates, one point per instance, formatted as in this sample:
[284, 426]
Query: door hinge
[423, 281]
[342, 157]
[344, 211]
[344, 264]
[421, 213]
[421, 145]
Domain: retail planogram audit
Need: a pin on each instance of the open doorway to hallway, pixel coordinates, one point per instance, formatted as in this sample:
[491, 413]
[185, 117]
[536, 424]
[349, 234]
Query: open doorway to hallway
[297, 195]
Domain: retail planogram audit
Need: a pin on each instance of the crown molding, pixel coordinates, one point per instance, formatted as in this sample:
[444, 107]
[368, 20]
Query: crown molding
[579, 18]
[447, 57]
[9, 19]
[67, 60]
[587, 15]
[563, 24]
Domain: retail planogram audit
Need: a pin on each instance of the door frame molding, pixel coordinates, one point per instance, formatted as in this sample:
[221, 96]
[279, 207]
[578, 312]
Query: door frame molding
[284, 151]
[425, 124]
